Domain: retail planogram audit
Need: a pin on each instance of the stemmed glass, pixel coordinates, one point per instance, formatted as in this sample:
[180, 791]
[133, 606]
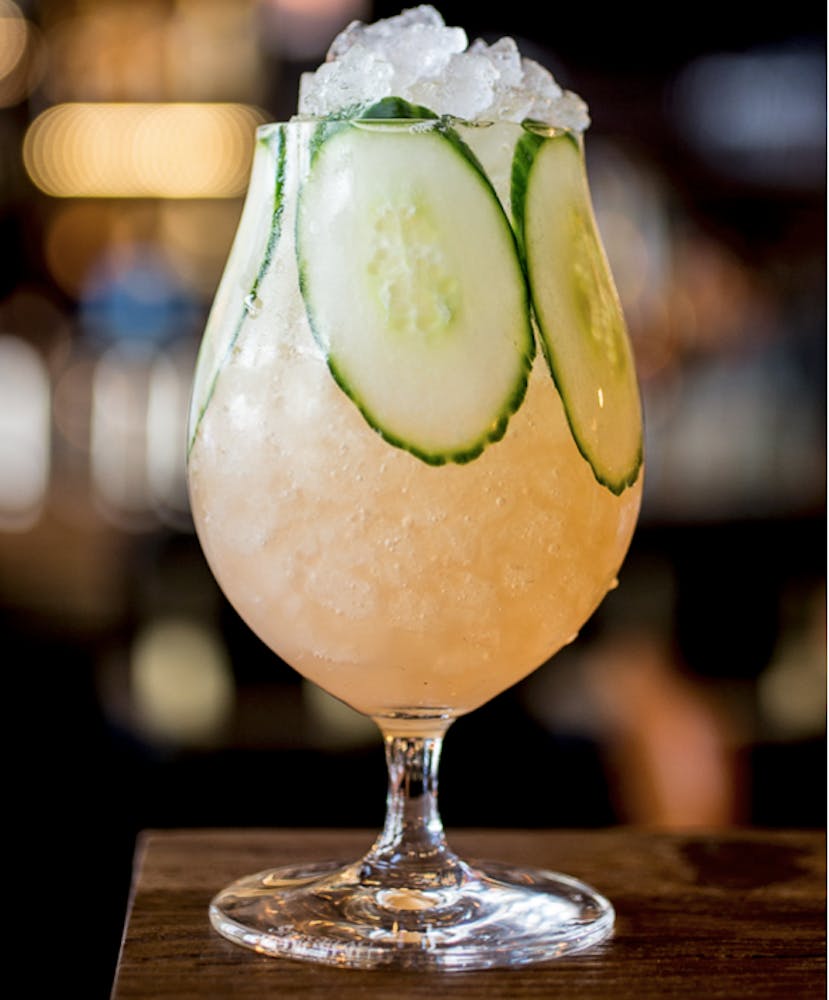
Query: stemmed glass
[415, 469]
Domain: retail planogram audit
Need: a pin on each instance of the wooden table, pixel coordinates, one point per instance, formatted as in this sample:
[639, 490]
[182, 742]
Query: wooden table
[721, 915]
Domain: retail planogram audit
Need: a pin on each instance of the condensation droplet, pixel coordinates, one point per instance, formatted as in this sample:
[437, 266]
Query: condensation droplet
[253, 305]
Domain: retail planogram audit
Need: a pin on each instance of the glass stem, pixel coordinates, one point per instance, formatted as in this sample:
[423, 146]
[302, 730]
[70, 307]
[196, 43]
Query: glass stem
[412, 848]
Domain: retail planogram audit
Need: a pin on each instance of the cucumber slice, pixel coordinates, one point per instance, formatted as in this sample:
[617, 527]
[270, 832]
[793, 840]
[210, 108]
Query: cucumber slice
[389, 109]
[413, 285]
[583, 332]
[257, 235]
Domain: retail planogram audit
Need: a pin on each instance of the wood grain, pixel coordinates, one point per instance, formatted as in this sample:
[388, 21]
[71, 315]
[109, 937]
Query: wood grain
[736, 914]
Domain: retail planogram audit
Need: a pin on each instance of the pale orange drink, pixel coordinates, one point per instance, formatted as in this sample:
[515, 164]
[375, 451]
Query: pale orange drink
[414, 464]
[399, 585]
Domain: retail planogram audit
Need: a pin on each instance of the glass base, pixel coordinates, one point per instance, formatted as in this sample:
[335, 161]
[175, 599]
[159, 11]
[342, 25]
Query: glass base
[492, 915]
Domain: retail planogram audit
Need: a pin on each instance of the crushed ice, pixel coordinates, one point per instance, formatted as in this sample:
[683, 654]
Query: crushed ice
[416, 56]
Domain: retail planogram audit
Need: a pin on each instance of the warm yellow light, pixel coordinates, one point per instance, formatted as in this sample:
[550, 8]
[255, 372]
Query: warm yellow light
[21, 55]
[13, 37]
[196, 237]
[138, 150]
[181, 681]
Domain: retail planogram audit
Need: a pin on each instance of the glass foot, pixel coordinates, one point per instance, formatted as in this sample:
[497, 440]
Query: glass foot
[491, 915]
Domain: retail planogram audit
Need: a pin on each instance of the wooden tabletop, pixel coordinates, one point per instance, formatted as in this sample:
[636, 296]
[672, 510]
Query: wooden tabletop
[706, 915]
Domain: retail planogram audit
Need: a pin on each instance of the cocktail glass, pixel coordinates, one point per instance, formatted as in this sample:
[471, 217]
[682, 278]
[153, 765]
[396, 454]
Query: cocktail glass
[415, 470]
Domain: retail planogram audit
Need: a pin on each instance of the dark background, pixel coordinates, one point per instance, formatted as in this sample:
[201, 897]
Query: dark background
[136, 698]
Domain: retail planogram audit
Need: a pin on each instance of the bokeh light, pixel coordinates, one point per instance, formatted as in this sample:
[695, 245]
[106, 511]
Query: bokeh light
[758, 114]
[13, 34]
[131, 294]
[190, 50]
[25, 433]
[181, 681]
[105, 150]
[21, 55]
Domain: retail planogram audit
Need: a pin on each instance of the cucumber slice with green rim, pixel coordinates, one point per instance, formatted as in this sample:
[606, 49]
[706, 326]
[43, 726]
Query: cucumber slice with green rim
[258, 234]
[583, 332]
[389, 109]
[413, 285]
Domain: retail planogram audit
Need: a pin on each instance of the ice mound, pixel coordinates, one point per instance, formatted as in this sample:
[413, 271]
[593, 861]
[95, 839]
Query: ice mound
[416, 56]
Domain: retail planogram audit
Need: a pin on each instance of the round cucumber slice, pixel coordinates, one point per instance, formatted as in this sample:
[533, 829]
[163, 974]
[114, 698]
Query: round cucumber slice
[583, 331]
[413, 285]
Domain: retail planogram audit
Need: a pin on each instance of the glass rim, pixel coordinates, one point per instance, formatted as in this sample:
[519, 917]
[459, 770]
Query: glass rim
[264, 129]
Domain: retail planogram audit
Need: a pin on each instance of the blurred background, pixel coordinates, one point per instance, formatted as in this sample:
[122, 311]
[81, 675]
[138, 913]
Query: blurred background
[696, 696]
